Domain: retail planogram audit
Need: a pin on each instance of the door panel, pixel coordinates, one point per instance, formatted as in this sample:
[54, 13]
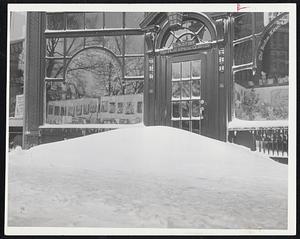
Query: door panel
[186, 82]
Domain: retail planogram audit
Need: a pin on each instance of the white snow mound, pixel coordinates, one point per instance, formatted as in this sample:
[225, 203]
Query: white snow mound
[146, 177]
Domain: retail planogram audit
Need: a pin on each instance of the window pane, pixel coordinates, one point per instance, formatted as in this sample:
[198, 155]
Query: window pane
[185, 125]
[195, 108]
[55, 47]
[134, 44]
[186, 89]
[196, 126]
[134, 66]
[176, 124]
[196, 69]
[176, 90]
[259, 21]
[196, 88]
[243, 26]
[275, 61]
[243, 53]
[175, 109]
[186, 71]
[114, 43]
[133, 87]
[113, 20]
[185, 109]
[94, 41]
[95, 73]
[73, 45]
[132, 19]
[94, 20]
[54, 68]
[75, 21]
[55, 21]
[176, 71]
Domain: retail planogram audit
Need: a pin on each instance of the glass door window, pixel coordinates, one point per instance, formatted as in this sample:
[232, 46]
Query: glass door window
[186, 103]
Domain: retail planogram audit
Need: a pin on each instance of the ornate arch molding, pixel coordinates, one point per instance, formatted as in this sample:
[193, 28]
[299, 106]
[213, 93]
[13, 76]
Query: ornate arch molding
[269, 30]
[206, 20]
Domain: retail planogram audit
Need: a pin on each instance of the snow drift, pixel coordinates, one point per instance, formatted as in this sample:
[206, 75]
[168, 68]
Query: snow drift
[146, 177]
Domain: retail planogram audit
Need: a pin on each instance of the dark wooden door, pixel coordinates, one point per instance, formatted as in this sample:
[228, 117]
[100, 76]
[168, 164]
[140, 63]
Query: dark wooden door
[187, 92]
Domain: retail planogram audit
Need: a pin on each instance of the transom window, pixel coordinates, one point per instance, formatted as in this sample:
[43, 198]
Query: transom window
[191, 31]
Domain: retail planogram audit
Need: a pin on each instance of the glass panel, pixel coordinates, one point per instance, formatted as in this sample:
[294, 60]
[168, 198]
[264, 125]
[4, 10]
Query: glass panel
[134, 44]
[133, 19]
[186, 72]
[176, 124]
[55, 47]
[175, 109]
[275, 62]
[54, 91]
[94, 41]
[134, 66]
[176, 90]
[75, 21]
[185, 109]
[186, 90]
[195, 108]
[113, 20]
[176, 71]
[94, 73]
[196, 88]
[54, 68]
[196, 126]
[259, 21]
[243, 26]
[185, 125]
[196, 69]
[243, 53]
[94, 20]
[171, 39]
[133, 86]
[114, 43]
[73, 45]
[55, 21]
[245, 78]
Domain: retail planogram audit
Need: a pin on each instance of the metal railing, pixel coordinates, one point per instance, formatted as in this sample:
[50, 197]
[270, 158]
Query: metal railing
[272, 141]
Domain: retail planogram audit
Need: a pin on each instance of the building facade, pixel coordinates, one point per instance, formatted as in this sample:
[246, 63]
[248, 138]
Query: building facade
[90, 72]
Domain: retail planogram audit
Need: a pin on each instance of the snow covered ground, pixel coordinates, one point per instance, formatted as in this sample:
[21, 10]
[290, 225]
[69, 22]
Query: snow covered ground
[157, 177]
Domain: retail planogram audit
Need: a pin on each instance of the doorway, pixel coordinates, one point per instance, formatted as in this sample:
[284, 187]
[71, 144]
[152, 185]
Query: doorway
[186, 92]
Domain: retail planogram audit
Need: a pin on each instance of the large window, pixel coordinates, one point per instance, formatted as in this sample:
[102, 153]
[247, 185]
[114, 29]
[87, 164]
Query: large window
[261, 95]
[94, 68]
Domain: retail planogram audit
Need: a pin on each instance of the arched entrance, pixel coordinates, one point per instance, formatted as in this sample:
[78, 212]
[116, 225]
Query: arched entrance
[185, 83]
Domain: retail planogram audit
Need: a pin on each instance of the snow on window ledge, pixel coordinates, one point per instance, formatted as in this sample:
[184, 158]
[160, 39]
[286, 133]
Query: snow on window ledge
[237, 124]
[90, 126]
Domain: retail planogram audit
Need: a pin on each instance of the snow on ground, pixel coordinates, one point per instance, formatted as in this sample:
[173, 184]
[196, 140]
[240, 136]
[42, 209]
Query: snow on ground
[146, 177]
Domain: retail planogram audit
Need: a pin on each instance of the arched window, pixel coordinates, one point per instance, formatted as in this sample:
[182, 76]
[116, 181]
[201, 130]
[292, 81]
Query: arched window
[192, 31]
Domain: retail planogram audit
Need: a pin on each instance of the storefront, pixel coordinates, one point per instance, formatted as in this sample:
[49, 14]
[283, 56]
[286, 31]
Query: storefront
[99, 71]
